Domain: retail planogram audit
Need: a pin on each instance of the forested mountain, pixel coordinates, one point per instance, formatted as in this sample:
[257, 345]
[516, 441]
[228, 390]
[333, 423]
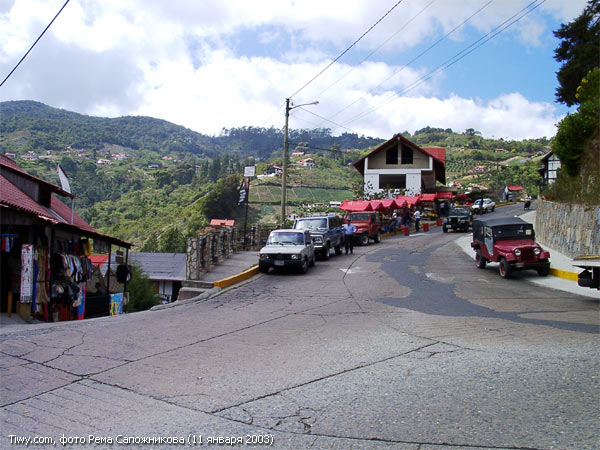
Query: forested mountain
[152, 182]
[33, 126]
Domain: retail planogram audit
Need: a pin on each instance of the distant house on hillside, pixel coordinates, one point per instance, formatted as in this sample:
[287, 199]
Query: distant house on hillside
[273, 170]
[104, 161]
[512, 193]
[308, 162]
[402, 164]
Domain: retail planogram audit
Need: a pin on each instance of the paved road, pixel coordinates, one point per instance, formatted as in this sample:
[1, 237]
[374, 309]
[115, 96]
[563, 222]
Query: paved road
[404, 344]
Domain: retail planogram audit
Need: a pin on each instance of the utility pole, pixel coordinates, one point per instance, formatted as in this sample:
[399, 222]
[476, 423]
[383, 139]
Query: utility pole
[288, 108]
[285, 162]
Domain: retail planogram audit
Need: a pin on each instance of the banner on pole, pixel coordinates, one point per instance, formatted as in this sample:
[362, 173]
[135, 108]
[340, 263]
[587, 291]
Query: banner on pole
[244, 190]
[64, 181]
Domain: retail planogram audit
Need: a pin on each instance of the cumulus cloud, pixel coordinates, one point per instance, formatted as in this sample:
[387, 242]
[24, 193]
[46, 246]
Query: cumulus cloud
[190, 62]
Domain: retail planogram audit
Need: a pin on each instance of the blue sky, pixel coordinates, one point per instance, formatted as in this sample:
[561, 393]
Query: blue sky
[228, 63]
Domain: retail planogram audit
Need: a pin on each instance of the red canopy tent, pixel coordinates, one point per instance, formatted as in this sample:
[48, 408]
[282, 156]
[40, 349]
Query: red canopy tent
[377, 205]
[390, 203]
[409, 200]
[356, 205]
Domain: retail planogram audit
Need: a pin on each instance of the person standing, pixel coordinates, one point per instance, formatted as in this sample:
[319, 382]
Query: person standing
[417, 217]
[349, 231]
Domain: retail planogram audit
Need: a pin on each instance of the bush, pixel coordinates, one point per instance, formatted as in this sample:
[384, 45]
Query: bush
[141, 295]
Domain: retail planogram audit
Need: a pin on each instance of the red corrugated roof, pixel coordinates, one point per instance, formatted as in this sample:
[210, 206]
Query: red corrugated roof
[515, 188]
[428, 197]
[437, 152]
[7, 163]
[222, 222]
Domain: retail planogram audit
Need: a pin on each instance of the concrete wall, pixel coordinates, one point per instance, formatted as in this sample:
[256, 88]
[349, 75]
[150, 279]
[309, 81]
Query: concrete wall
[569, 229]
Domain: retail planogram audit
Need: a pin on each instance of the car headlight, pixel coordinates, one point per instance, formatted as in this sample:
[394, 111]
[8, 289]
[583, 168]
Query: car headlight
[295, 256]
[537, 251]
[517, 252]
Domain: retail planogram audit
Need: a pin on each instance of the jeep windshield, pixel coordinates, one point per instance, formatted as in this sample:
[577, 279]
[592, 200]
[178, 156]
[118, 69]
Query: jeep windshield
[286, 239]
[358, 217]
[513, 232]
[460, 212]
[311, 224]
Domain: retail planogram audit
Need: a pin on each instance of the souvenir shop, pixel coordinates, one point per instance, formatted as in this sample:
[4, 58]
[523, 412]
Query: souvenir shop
[47, 272]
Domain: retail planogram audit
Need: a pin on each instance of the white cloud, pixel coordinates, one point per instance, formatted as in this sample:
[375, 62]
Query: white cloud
[175, 60]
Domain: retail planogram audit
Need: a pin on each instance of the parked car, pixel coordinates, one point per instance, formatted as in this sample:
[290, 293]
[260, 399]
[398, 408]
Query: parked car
[285, 249]
[368, 225]
[590, 277]
[509, 241]
[326, 231]
[459, 218]
[483, 205]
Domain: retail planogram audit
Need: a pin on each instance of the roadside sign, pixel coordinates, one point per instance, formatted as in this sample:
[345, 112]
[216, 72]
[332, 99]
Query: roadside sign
[249, 171]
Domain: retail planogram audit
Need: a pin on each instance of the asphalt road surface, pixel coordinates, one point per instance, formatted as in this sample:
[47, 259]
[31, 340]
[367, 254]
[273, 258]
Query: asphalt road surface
[404, 344]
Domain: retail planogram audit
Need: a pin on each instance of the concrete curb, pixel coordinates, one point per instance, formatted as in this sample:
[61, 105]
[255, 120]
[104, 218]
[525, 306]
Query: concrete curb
[565, 274]
[205, 295]
[235, 279]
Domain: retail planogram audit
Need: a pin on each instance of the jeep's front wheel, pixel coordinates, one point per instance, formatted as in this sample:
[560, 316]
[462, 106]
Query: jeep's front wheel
[444, 228]
[480, 261]
[338, 249]
[504, 268]
[363, 239]
[378, 237]
[544, 271]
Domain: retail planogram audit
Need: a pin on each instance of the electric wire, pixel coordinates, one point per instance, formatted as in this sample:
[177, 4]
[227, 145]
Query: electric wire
[454, 59]
[33, 45]
[416, 57]
[376, 49]
[348, 49]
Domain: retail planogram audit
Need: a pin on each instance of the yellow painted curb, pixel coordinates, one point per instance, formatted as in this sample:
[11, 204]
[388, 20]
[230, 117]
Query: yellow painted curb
[230, 281]
[572, 276]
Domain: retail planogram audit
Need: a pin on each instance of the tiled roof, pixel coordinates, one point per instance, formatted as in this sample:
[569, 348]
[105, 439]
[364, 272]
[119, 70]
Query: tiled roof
[436, 152]
[9, 164]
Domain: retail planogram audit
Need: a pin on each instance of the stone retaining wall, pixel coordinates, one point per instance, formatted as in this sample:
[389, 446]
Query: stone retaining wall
[569, 229]
[215, 246]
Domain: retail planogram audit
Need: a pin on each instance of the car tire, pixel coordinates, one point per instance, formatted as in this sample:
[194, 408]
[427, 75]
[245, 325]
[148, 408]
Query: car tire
[544, 272]
[378, 237]
[480, 261]
[444, 229]
[505, 268]
[312, 261]
[363, 239]
[338, 249]
[263, 268]
[304, 265]
[493, 209]
[325, 253]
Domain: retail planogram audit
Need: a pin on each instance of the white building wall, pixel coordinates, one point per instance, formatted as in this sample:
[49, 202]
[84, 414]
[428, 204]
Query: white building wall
[413, 183]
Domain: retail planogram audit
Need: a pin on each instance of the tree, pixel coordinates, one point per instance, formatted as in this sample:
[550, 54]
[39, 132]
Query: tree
[222, 200]
[578, 51]
[151, 244]
[141, 294]
[173, 241]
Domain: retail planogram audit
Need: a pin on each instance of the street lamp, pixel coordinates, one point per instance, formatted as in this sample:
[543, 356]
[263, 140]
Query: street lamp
[288, 108]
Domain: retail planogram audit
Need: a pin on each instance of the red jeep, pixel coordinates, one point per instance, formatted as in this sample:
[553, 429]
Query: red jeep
[509, 241]
[368, 225]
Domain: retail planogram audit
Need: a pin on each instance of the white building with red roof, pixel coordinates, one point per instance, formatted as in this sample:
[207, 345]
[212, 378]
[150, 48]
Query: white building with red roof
[402, 164]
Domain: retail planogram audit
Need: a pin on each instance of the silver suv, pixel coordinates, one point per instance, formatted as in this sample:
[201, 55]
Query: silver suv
[287, 248]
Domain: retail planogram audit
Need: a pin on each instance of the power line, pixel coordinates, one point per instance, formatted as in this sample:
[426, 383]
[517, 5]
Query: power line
[418, 56]
[454, 59]
[376, 49]
[346, 51]
[36, 41]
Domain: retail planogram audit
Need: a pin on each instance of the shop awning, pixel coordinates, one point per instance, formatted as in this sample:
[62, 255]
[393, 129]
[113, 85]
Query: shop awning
[444, 195]
[428, 197]
[356, 205]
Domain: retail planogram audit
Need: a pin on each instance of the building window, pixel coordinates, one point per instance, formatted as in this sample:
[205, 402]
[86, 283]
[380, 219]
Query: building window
[407, 155]
[391, 155]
